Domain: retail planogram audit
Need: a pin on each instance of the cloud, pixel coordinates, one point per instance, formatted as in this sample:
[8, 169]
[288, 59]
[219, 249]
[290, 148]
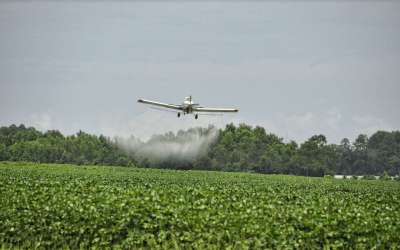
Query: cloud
[44, 122]
[369, 124]
[296, 127]
[334, 118]
[301, 127]
[299, 123]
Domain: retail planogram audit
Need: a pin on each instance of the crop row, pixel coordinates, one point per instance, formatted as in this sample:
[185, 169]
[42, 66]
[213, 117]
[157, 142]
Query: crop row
[69, 206]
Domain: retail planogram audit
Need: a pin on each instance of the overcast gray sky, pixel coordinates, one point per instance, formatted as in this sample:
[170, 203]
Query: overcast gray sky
[297, 69]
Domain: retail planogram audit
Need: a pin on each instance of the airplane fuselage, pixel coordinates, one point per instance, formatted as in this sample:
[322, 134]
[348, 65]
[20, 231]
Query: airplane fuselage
[188, 105]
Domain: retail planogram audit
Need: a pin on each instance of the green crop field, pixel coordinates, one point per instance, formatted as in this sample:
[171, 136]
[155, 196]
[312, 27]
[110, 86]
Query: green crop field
[44, 206]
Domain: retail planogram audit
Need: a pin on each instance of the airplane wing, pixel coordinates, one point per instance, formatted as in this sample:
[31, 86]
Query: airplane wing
[171, 106]
[214, 110]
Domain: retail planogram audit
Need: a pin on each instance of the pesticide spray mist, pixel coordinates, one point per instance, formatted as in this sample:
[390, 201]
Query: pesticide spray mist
[169, 136]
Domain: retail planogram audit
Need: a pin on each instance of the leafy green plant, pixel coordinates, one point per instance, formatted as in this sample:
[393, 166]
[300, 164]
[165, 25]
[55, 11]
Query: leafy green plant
[385, 177]
[46, 206]
[368, 177]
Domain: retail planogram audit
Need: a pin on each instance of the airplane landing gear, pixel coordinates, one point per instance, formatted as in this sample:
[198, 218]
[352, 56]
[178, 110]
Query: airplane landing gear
[179, 114]
[195, 116]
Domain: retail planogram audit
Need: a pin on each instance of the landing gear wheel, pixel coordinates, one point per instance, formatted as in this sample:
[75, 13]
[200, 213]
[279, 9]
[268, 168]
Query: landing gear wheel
[195, 116]
[179, 114]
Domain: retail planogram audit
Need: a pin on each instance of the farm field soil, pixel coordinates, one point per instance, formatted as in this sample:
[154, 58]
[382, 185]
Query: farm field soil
[46, 206]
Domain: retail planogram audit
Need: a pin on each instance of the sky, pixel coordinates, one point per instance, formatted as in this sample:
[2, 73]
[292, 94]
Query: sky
[296, 69]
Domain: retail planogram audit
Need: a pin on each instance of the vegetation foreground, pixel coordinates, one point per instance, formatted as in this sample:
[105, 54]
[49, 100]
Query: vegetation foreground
[68, 206]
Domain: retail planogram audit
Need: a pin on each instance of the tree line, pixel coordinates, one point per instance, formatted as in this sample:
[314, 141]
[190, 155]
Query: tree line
[236, 148]
[375, 155]
[28, 144]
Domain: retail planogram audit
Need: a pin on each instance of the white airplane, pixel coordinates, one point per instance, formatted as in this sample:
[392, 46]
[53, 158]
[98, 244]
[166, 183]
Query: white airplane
[187, 107]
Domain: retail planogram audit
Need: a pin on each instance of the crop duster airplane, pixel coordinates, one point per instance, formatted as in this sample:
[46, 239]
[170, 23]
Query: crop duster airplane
[187, 107]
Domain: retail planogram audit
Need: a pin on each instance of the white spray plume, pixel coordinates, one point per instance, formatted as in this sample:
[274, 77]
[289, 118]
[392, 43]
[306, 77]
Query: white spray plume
[125, 123]
[165, 134]
[185, 144]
